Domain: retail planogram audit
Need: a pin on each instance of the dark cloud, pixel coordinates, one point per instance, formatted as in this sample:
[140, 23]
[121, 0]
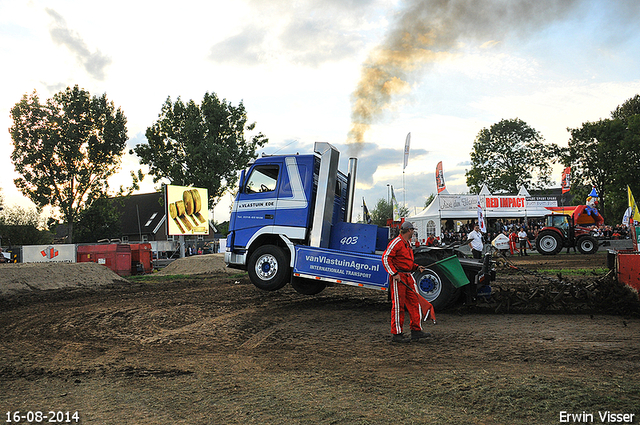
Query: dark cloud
[53, 88]
[94, 63]
[312, 42]
[245, 48]
[311, 33]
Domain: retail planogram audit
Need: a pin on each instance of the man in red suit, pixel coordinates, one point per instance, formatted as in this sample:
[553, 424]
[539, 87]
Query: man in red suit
[398, 261]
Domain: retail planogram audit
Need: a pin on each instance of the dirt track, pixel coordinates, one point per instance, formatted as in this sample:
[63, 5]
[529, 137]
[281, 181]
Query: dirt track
[212, 349]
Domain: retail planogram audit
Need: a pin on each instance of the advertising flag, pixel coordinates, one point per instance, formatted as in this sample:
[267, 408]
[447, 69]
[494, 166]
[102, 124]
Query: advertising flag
[566, 180]
[406, 151]
[481, 223]
[396, 209]
[634, 218]
[365, 212]
[440, 185]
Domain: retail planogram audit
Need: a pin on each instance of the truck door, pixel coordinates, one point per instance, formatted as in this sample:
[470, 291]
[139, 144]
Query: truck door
[255, 205]
[294, 193]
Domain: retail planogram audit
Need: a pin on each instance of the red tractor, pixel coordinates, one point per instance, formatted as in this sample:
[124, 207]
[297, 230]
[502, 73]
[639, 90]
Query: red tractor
[568, 227]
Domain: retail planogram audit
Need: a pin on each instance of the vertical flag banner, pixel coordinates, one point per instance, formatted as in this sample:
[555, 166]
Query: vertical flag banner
[634, 216]
[481, 223]
[394, 203]
[365, 212]
[406, 151]
[566, 180]
[440, 185]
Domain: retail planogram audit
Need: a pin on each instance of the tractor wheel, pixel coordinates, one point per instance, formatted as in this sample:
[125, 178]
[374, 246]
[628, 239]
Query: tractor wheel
[307, 286]
[548, 243]
[436, 289]
[587, 245]
[268, 268]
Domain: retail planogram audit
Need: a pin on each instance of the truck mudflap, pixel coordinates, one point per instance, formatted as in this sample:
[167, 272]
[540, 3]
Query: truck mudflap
[355, 269]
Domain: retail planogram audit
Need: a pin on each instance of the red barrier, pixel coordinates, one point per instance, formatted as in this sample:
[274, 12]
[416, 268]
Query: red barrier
[628, 268]
[141, 256]
[117, 257]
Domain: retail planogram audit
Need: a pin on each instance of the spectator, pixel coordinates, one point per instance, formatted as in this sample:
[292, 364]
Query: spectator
[475, 242]
[524, 240]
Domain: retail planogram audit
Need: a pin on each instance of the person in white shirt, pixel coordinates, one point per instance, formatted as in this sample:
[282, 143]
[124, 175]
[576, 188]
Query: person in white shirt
[524, 239]
[475, 242]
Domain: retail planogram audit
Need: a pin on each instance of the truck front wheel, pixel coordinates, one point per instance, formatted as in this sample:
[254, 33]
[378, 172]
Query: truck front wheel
[436, 289]
[587, 245]
[268, 268]
[548, 243]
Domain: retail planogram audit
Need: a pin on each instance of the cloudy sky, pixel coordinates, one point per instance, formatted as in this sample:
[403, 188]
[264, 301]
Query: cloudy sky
[359, 74]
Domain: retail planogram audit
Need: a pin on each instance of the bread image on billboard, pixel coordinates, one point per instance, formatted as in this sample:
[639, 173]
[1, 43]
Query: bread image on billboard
[185, 212]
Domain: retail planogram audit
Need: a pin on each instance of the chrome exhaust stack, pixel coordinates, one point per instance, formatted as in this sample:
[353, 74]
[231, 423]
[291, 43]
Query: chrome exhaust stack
[351, 192]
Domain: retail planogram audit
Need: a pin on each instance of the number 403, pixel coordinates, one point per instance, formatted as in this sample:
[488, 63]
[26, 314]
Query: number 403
[349, 240]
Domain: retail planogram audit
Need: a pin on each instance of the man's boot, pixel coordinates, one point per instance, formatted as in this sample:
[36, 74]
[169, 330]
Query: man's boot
[400, 338]
[417, 335]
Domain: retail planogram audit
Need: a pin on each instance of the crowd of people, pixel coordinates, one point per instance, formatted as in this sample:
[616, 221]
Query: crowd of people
[531, 227]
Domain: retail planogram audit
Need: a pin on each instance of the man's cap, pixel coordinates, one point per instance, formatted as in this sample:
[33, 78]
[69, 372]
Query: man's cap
[407, 225]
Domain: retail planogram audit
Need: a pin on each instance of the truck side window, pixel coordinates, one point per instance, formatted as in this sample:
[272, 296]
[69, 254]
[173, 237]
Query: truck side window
[262, 179]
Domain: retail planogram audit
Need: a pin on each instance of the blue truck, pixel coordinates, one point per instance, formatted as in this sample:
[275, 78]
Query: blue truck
[291, 223]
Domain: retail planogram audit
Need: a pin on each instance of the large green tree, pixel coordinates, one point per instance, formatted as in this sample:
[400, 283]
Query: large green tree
[200, 145]
[66, 148]
[508, 155]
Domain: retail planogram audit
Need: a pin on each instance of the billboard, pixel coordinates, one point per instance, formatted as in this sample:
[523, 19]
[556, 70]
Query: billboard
[54, 253]
[187, 210]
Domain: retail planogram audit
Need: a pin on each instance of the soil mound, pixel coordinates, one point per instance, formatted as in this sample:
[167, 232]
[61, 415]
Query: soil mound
[197, 264]
[17, 278]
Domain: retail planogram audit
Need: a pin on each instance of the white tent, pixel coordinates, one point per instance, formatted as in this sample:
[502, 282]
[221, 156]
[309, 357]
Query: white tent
[524, 192]
[465, 208]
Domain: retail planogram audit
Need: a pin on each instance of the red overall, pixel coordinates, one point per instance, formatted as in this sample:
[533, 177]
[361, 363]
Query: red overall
[513, 239]
[399, 256]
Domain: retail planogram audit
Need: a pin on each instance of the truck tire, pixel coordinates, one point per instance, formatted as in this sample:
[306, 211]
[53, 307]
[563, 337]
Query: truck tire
[268, 268]
[587, 245]
[307, 286]
[436, 289]
[548, 243]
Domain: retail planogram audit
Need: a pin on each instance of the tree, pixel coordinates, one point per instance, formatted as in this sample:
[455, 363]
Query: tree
[22, 226]
[66, 149]
[429, 200]
[606, 154]
[629, 108]
[508, 155]
[100, 221]
[200, 145]
[383, 211]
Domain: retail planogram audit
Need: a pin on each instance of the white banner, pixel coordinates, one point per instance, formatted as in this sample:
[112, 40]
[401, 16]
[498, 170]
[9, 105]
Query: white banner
[406, 150]
[488, 203]
[59, 253]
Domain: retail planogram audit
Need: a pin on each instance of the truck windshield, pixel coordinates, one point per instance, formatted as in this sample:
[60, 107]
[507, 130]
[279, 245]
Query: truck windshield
[263, 178]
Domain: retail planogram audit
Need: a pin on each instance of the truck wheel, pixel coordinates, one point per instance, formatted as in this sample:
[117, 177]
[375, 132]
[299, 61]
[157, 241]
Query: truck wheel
[307, 286]
[587, 245]
[436, 289]
[268, 268]
[548, 243]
